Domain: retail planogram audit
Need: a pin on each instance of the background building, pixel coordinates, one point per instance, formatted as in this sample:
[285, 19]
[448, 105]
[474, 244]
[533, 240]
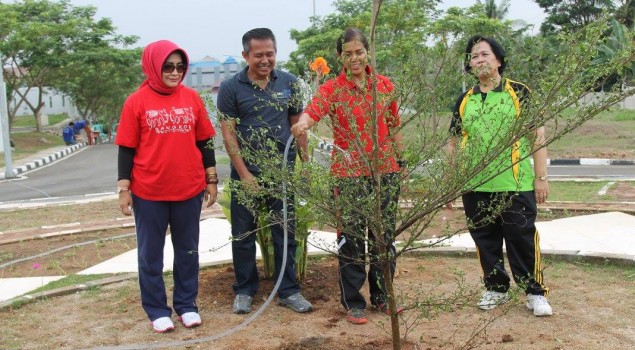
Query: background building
[207, 74]
[54, 101]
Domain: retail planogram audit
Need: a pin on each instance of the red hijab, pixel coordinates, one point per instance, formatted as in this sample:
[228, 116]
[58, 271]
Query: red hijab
[152, 59]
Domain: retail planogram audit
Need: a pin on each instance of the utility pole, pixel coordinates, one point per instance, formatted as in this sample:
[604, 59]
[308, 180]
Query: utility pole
[4, 127]
[313, 8]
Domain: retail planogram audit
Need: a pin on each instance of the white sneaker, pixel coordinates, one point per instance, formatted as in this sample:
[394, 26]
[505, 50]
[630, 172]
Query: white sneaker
[162, 325]
[491, 299]
[539, 304]
[190, 320]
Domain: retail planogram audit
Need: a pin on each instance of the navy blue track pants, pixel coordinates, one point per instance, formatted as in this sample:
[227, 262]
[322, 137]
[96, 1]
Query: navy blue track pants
[152, 219]
[244, 229]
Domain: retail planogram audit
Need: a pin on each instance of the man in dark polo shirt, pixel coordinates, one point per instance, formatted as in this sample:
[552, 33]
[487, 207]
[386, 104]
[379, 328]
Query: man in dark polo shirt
[257, 108]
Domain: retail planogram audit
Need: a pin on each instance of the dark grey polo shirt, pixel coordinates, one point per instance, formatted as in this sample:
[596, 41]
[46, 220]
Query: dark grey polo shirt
[262, 115]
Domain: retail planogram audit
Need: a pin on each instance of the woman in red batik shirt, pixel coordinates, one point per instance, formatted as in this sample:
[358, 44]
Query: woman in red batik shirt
[347, 100]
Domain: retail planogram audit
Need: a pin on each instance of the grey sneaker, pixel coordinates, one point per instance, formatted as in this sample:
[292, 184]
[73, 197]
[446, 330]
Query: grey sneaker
[492, 299]
[356, 316]
[296, 302]
[242, 304]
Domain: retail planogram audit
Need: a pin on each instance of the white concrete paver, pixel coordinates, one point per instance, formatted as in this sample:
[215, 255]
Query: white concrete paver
[214, 248]
[611, 233]
[605, 234]
[214, 245]
[12, 287]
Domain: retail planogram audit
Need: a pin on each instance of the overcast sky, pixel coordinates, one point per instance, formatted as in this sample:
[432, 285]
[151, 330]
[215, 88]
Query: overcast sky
[215, 28]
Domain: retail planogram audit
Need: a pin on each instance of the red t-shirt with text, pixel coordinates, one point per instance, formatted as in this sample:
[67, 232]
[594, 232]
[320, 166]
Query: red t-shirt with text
[163, 130]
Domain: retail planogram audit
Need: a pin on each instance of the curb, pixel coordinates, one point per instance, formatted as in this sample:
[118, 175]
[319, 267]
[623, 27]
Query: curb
[560, 255]
[23, 235]
[43, 161]
[27, 298]
[29, 234]
[590, 161]
[327, 146]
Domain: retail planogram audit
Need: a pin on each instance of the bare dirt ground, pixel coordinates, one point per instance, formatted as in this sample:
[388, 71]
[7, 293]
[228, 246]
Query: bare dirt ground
[592, 302]
[592, 311]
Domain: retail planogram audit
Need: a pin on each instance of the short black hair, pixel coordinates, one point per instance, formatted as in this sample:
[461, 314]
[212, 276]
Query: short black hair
[349, 35]
[497, 49]
[71, 124]
[258, 34]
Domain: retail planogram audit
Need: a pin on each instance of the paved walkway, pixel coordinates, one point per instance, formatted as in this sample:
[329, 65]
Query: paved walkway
[606, 235]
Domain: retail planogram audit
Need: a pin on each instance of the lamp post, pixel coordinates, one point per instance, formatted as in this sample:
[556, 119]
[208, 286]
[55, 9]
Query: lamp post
[4, 127]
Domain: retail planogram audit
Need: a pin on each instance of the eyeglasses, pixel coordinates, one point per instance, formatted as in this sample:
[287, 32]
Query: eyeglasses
[170, 67]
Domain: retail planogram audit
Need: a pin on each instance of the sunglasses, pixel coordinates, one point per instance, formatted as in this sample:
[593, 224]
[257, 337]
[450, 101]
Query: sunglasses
[170, 67]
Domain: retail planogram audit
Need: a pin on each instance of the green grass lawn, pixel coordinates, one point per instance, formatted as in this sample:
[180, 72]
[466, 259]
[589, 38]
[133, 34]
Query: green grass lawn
[611, 134]
[576, 191]
[29, 120]
[28, 143]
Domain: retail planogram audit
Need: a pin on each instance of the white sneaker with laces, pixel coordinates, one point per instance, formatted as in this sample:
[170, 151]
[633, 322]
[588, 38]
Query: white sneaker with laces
[190, 319]
[492, 299]
[539, 304]
[162, 325]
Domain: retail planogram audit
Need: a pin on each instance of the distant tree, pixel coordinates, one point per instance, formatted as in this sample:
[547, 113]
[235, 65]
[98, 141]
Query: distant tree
[495, 11]
[8, 21]
[39, 39]
[500, 12]
[612, 45]
[99, 80]
[402, 35]
[626, 13]
[570, 15]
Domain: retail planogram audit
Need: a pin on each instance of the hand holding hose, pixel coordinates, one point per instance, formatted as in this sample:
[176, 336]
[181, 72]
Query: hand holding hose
[302, 126]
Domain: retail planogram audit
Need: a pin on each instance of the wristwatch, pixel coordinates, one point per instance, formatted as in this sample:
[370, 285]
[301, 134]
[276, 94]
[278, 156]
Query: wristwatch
[542, 178]
[122, 189]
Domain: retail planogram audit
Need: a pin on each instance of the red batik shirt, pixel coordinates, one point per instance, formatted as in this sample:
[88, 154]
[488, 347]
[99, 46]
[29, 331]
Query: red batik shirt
[350, 109]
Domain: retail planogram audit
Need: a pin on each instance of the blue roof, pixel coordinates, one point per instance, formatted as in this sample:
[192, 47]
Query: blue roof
[230, 60]
[205, 64]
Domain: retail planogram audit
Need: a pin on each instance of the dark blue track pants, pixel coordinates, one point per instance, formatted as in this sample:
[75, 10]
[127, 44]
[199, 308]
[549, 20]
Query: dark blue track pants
[244, 228]
[152, 219]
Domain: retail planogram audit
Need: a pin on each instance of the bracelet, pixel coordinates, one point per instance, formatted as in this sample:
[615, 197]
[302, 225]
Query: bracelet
[211, 178]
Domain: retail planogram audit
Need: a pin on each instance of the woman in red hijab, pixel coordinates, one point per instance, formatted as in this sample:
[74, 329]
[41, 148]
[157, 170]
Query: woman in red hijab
[166, 170]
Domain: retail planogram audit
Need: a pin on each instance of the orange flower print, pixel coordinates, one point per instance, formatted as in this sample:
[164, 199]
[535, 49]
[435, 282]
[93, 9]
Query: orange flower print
[320, 66]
